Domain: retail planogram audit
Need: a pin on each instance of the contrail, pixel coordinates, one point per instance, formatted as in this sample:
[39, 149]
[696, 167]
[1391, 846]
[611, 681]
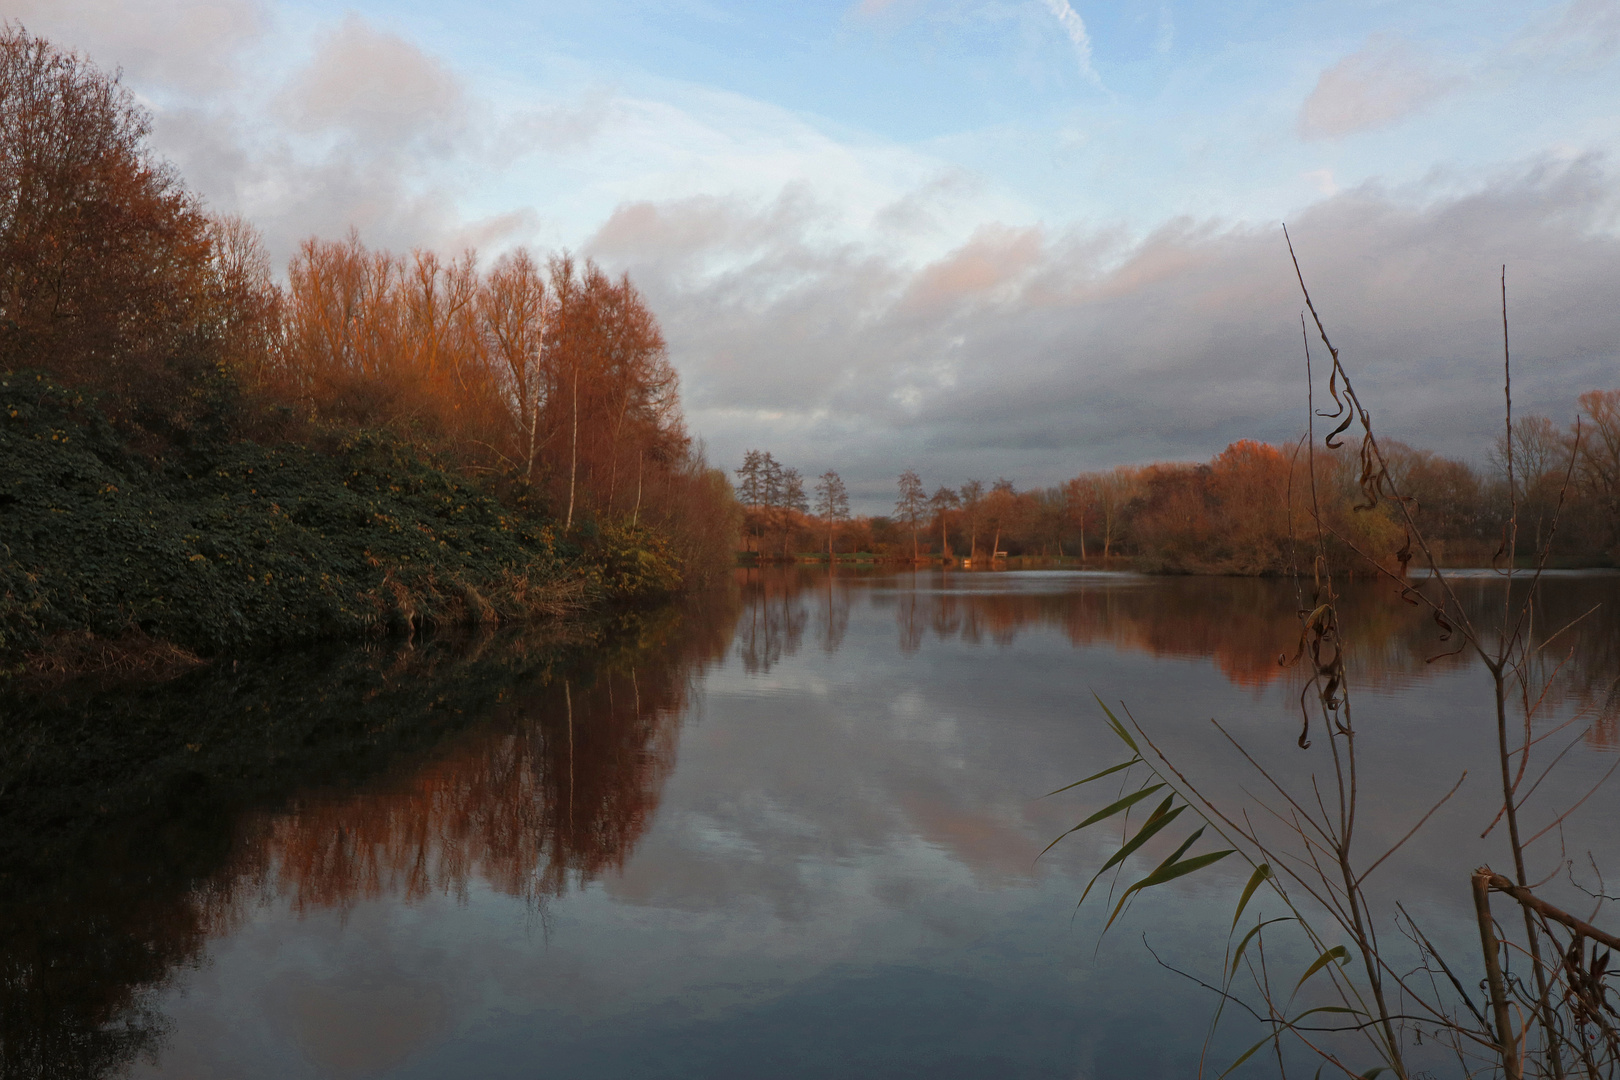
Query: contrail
[1075, 27]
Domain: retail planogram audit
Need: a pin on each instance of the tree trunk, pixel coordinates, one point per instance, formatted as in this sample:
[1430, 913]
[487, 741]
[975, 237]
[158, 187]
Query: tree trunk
[573, 454]
[635, 516]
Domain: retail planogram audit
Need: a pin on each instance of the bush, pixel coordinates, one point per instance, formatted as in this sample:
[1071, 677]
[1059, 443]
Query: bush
[233, 545]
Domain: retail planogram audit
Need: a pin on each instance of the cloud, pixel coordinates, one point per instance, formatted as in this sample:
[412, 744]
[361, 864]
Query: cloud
[1035, 353]
[1587, 30]
[557, 128]
[1074, 26]
[1378, 84]
[1164, 38]
[189, 44]
[376, 87]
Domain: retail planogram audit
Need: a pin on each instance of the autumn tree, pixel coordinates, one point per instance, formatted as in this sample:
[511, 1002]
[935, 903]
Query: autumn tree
[1079, 495]
[911, 504]
[832, 503]
[1001, 510]
[513, 318]
[106, 270]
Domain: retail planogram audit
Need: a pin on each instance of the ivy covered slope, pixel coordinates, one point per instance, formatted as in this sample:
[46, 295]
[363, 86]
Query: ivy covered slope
[227, 545]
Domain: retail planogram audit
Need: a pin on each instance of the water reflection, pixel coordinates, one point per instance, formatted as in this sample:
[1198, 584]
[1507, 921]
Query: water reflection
[908, 717]
[137, 823]
[1246, 626]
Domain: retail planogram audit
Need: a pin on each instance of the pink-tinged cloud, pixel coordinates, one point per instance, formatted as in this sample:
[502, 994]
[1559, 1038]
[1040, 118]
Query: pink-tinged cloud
[1380, 83]
[994, 262]
[375, 86]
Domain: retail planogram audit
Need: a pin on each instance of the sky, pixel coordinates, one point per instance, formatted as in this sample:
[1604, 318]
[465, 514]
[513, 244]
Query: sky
[978, 238]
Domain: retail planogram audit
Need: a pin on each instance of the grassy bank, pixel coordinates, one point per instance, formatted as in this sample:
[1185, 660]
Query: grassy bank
[110, 554]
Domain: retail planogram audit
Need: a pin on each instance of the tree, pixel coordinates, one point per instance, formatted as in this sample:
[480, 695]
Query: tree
[1001, 506]
[1599, 464]
[910, 505]
[1078, 495]
[751, 490]
[791, 500]
[972, 502]
[106, 271]
[1115, 490]
[832, 503]
[942, 502]
[1539, 453]
[748, 489]
[514, 318]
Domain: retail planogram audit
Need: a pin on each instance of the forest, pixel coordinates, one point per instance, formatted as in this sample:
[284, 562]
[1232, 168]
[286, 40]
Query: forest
[201, 456]
[1238, 513]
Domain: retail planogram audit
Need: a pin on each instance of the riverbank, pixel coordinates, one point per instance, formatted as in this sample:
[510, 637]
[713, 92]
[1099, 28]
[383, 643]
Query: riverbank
[113, 556]
[1456, 555]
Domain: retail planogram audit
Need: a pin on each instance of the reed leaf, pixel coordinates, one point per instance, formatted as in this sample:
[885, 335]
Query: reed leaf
[1095, 776]
[1106, 812]
[1119, 728]
[1169, 870]
[1245, 1056]
[1244, 944]
[1261, 873]
[1338, 952]
[1162, 815]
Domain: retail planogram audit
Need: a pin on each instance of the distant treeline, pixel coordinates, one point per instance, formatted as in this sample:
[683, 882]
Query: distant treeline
[1247, 511]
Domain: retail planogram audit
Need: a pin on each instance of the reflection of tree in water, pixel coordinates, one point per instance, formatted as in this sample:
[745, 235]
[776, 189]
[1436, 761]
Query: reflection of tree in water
[773, 617]
[137, 822]
[555, 789]
[913, 619]
[1244, 624]
[832, 611]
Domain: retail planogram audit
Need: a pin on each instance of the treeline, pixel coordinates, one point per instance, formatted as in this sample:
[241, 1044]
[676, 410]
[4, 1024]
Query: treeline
[1250, 510]
[536, 391]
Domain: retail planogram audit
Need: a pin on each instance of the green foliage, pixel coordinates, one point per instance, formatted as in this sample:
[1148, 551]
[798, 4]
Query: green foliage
[632, 561]
[224, 546]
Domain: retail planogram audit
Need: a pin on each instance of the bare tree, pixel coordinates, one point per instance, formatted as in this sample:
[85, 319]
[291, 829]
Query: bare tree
[832, 503]
[910, 505]
[791, 501]
[972, 503]
[942, 502]
[1599, 464]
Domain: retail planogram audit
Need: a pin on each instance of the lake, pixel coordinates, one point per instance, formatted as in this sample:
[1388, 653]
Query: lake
[788, 830]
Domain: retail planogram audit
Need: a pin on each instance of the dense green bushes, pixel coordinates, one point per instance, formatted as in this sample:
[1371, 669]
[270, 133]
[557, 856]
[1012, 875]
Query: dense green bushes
[221, 545]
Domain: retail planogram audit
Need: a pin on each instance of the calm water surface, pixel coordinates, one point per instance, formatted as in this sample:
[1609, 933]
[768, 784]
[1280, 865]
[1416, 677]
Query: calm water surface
[789, 832]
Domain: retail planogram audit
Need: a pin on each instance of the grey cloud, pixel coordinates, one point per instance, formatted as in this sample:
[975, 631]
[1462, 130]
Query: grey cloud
[241, 166]
[1381, 82]
[556, 129]
[1035, 354]
[1587, 30]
